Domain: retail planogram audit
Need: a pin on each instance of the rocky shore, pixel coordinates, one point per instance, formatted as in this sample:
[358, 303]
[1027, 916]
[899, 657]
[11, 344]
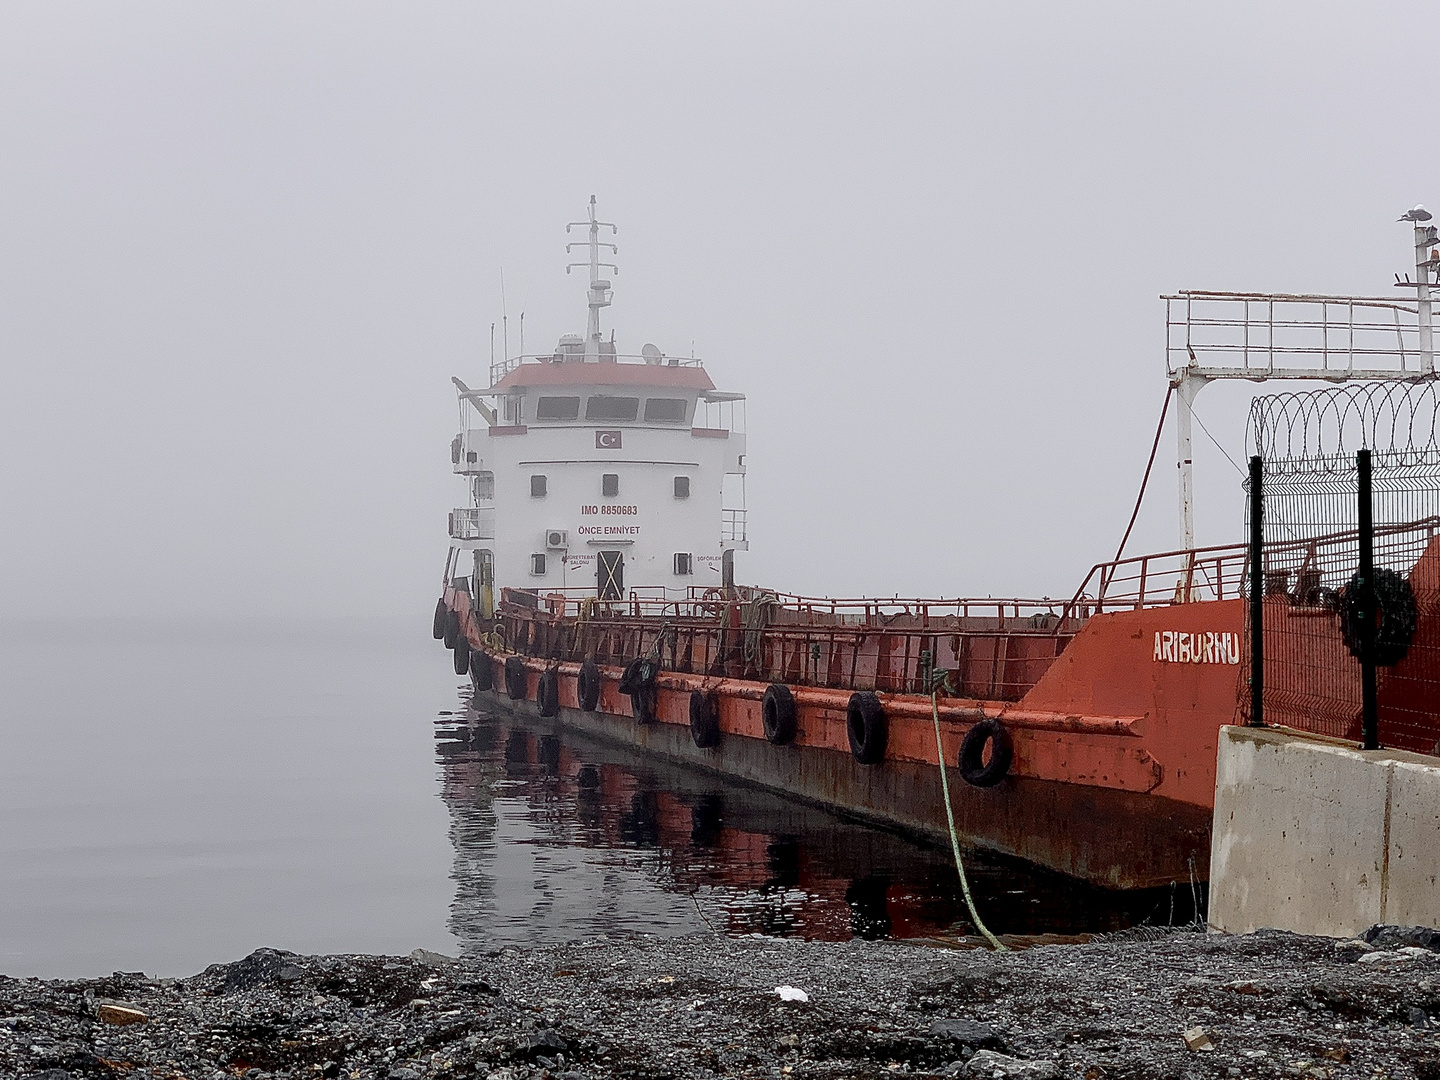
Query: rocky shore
[1184, 1005]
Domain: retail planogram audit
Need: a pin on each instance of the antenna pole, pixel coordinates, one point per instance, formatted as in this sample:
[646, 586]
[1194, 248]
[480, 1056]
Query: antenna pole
[592, 331]
[522, 333]
[504, 318]
[1423, 239]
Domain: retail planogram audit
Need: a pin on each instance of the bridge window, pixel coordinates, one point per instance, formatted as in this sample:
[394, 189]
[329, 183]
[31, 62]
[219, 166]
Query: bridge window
[664, 410]
[682, 487]
[610, 484]
[684, 563]
[604, 407]
[557, 408]
[537, 486]
[537, 564]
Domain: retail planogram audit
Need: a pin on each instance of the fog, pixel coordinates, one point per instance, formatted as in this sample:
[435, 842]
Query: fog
[244, 247]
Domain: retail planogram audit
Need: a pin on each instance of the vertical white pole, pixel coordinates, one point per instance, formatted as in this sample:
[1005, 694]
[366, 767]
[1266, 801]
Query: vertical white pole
[1185, 393]
[1422, 295]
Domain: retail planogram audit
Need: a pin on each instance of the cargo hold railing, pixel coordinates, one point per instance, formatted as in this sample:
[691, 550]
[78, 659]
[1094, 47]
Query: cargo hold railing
[795, 609]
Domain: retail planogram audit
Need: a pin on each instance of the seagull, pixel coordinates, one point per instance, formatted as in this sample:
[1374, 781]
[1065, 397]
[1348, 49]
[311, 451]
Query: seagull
[1415, 213]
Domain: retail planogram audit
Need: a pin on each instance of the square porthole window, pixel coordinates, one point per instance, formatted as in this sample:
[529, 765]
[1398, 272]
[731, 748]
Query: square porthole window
[537, 487]
[684, 563]
[610, 484]
[537, 564]
[682, 487]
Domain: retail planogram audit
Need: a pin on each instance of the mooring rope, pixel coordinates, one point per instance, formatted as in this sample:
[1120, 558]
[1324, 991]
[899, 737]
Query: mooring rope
[754, 615]
[939, 678]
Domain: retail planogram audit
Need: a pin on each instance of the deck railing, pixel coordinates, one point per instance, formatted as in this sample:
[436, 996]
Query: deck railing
[1295, 567]
[472, 523]
[792, 609]
[751, 635]
[501, 368]
[732, 526]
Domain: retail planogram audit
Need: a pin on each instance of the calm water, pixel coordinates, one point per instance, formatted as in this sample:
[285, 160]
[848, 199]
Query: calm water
[172, 795]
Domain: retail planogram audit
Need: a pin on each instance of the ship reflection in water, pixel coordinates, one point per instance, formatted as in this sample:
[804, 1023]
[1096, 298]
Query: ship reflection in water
[558, 837]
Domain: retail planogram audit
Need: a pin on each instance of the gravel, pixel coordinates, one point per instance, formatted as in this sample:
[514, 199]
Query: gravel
[1271, 1005]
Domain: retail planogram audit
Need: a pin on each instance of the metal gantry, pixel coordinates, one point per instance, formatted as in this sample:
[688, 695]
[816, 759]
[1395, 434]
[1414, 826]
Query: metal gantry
[1263, 336]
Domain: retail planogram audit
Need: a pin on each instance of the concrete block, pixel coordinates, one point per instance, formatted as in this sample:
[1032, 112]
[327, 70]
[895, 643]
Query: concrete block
[1412, 894]
[1321, 838]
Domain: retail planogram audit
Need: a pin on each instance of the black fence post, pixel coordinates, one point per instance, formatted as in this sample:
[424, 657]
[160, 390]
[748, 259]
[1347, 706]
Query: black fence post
[1257, 592]
[1365, 579]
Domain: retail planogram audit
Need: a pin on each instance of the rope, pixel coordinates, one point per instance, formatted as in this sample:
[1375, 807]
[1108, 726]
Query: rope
[754, 615]
[653, 653]
[939, 678]
[1148, 466]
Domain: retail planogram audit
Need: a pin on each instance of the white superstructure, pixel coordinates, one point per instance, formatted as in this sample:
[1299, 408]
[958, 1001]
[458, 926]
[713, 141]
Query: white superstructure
[592, 472]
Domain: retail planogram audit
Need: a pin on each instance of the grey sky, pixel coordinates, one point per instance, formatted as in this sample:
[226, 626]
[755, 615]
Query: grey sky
[243, 247]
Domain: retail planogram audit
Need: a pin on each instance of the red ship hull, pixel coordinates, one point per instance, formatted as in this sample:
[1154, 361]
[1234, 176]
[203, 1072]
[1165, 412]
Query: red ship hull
[1113, 714]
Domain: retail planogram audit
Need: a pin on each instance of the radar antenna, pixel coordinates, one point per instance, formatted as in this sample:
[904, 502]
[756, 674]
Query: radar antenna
[599, 288]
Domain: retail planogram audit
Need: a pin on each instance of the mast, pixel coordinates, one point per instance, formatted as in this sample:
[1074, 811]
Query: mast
[599, 293]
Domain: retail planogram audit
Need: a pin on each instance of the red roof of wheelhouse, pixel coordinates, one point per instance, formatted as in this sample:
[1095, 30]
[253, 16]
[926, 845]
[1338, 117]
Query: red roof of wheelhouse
[572, 373]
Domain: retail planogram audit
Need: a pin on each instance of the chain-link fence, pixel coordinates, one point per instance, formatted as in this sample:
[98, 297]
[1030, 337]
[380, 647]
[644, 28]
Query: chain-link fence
[1349, 565]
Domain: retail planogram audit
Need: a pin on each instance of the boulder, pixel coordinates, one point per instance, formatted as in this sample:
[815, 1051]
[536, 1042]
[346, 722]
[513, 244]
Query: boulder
[544, 1041]
[1381, 936]
[117, 1013]
[969, 1033]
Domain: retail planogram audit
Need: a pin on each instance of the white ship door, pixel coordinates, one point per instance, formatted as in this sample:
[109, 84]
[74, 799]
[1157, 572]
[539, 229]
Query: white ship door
[610, 575]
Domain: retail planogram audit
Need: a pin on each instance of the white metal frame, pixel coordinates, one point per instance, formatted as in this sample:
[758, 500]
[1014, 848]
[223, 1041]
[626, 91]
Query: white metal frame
[1263, 336]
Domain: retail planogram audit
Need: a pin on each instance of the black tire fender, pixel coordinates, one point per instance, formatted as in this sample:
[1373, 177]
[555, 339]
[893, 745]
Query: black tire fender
[547, 692]
[704, 718]
[866, 725]
[1397, 617]
[452, 629]
[587, 686]
[516, 678]
[462, 655]
[973, 768]
[638, 673]
[482, 671]
[777, 714]
[643, 703]
[440, 612]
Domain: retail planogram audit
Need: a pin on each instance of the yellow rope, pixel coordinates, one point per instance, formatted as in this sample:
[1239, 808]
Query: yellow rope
[938, 679]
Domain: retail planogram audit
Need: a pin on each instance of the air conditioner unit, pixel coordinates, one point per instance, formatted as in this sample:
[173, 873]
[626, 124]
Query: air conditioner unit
[557, 539]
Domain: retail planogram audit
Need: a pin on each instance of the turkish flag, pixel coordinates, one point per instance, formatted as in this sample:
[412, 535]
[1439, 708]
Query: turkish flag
[607, 440]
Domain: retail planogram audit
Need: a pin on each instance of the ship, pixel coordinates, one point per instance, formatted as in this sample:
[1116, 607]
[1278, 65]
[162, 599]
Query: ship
[590, 583]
